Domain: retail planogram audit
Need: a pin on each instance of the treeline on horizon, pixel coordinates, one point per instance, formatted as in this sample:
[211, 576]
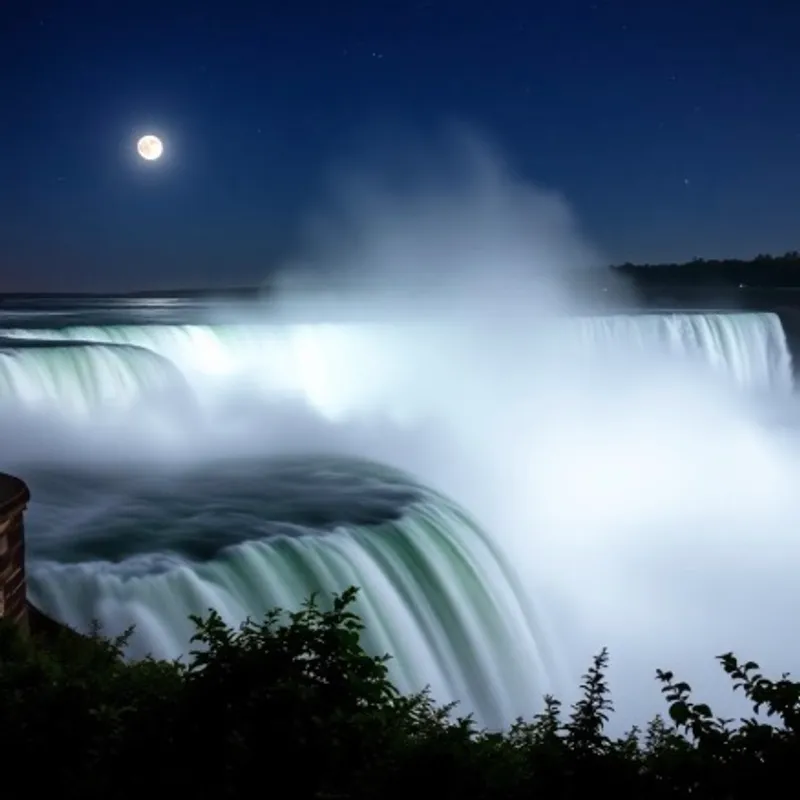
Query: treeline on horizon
[765, 271]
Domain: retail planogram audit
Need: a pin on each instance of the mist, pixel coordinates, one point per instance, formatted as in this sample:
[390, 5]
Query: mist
[442, 229]
[648, 502]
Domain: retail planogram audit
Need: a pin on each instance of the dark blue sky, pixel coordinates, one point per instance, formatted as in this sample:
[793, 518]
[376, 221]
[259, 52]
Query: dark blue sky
[673, 128]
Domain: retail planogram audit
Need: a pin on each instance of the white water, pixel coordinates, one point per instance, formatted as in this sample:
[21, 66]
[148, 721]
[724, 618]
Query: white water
[315, 362]
[81, 379]
[434, 593]
[590, 501]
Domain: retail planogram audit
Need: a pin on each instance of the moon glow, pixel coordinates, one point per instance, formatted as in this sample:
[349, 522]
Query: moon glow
[150, 147]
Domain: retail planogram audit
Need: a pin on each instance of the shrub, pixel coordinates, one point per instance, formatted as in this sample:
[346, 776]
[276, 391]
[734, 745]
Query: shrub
[293, 706]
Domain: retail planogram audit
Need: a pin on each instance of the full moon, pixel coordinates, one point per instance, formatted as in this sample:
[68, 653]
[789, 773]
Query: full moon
[150, 147]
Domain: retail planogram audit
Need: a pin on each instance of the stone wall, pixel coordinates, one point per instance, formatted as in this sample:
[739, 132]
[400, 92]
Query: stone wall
[14, 497]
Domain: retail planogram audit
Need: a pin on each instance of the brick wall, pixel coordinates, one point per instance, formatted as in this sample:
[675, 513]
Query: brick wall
[14, 498]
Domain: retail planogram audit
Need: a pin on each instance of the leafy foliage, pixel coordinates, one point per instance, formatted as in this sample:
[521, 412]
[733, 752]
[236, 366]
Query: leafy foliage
[293, 706]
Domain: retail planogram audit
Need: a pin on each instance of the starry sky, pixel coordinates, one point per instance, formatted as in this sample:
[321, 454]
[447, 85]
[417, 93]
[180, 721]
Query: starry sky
[672, 128]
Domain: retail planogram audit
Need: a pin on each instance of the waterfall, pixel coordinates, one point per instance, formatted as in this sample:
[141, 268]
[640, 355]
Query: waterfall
[312, 360]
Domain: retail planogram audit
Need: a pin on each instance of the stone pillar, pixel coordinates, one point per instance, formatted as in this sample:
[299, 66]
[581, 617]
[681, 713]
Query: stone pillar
[14, 497]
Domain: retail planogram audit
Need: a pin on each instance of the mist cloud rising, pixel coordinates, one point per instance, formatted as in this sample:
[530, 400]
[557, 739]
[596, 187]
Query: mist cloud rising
[445, 230]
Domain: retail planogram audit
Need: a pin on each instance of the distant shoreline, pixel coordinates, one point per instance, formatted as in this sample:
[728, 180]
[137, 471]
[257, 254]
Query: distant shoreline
[248, 292]
[764, 273]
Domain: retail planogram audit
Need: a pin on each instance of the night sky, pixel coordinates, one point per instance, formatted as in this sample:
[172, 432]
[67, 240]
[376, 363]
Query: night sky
[672, 128]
